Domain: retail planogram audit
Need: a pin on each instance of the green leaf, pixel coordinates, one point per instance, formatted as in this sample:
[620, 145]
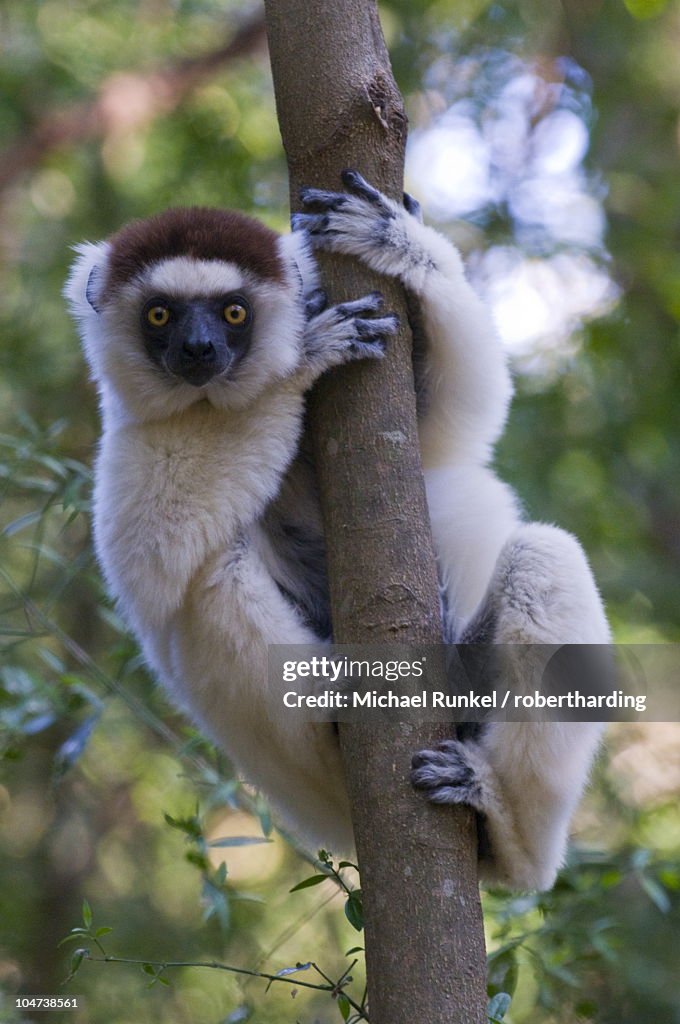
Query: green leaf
[198, 859]
[344, 1006]
[354, 910]
[285, 971]
[87, 915]
[238, 841]
[497, 1007]
[75, 936]
[265, 818]
[656, 893]
[19, 524]
[77, 958]
[503, 971]
[190, 826]
[309, 882]
[74, 747]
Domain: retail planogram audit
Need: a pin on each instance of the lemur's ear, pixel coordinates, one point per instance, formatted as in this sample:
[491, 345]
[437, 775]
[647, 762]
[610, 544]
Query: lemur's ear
[92, 288]
[86, 280]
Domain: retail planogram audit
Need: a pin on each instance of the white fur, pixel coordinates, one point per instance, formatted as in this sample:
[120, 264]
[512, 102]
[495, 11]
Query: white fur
[530, 775]
[184, 475]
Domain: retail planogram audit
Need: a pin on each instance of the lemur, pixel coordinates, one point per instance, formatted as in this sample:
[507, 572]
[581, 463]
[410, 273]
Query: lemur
[204, 330]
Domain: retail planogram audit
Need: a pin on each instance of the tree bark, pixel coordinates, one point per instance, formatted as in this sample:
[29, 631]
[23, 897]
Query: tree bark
[338, 106]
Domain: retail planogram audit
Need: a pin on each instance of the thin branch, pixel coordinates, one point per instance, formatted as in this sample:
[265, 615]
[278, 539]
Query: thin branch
[164, 965]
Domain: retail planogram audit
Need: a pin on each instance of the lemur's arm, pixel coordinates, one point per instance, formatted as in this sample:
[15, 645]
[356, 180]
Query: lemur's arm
[467, 384]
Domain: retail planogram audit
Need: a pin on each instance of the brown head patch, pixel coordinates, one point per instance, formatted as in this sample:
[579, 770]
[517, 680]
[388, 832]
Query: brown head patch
[199, 232]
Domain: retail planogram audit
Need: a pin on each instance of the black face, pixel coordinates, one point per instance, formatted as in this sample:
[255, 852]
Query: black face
[197, 339]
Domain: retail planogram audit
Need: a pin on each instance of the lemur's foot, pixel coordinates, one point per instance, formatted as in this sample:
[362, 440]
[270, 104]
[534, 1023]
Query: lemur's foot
[447, 775]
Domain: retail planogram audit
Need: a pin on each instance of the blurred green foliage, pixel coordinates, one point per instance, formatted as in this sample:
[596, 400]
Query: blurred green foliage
[105, 793]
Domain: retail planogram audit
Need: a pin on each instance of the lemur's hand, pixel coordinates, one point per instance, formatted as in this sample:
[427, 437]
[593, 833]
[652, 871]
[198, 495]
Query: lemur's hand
[363, 222]
[343, 333]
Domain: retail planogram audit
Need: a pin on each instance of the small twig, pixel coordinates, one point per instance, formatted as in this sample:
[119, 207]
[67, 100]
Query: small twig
[164, 965]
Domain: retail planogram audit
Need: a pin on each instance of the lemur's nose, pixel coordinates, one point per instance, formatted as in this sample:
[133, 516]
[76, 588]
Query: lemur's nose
[198, 348]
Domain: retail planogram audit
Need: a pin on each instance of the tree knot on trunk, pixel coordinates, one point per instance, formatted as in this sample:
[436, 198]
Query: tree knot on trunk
[387, 105]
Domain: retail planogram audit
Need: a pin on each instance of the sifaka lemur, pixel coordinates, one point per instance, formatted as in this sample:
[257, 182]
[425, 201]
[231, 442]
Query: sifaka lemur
[203, 330]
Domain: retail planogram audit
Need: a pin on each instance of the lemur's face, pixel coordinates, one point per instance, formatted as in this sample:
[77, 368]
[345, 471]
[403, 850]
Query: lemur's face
[189, 305]
[197, 339]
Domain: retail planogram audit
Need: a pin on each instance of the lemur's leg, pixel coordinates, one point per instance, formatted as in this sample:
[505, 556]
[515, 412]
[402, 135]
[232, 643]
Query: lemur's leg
[524, 778]
[467, 385]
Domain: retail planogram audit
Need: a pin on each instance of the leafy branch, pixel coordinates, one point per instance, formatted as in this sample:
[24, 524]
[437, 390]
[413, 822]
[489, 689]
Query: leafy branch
[354, 911]
[156, 969]
[216, 896]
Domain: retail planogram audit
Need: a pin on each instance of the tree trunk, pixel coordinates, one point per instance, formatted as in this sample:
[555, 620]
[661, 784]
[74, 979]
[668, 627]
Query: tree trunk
[338, 107]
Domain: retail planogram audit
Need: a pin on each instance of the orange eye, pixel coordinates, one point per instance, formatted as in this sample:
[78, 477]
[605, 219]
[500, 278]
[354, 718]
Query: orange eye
[235, 314]
[158, 316]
